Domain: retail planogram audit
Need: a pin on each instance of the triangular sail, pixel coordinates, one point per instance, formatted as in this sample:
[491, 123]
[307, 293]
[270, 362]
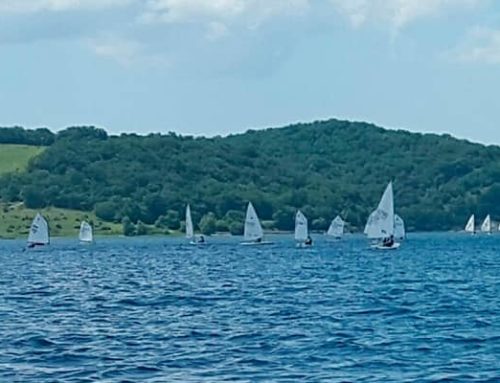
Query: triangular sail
[39, 231]
[253, 229]
[336, 228]
[301, 231]
[486, 226]
[381, 222]
[86, 234]
[471, 224]
[189, 223]
[399, 227]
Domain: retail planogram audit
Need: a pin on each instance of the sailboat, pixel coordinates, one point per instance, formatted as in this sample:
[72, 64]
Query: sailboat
[470, 227]
[399, 228]
[380, 225]
[39, 232]
[253, 233]
[301, 231]
[86, 234]
[486, 226]
[336, 229]
[190, 229]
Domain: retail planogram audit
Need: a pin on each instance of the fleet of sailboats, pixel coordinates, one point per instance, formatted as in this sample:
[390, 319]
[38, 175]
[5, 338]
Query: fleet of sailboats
[486, 227]
[384, 227]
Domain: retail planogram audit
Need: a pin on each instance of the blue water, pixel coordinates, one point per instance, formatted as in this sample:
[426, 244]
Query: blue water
[155, 310]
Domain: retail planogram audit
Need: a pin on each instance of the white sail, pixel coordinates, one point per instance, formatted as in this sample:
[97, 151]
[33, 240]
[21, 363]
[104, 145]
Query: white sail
[86, 234]
[486, 226]
[253, 229]
[381, 222]
[399, 227]
[189, 223]
[39, 231]
[301, 231]
[471, 224]
[336, 228]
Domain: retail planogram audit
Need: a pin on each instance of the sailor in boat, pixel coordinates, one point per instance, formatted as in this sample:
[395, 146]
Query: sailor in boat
[308, 241]
[388, 242]
[201, 239]
[258, 240]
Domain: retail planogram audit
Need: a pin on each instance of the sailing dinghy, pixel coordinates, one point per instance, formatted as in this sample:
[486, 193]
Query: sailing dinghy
[86, 234]
[193, 240]
[253, 234]
[470, 227]
[380, 227]
[336, 229]
[39, 232]
[399, 228]
[301, 231]
[486, 226]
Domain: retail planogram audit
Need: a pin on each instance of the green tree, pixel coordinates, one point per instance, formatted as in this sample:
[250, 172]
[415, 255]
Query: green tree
[128, 227]
[208, 224]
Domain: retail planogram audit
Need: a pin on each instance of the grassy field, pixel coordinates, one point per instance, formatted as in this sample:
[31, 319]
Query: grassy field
[15, 221]
[16, 157]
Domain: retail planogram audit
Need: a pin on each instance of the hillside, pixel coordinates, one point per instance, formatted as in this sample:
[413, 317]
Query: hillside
[324, 168]
[15, 221]
[15, 158]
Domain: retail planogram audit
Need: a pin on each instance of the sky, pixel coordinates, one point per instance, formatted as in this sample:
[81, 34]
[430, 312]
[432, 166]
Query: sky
[214, 67]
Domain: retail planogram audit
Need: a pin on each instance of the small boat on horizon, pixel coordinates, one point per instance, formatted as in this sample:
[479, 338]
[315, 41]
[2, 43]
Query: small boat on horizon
[39, 232]
[253, 235]
[486, 226]
[301, 234]
[380, 227]
[336, 229]
[193, 239]
[470, 227]
[86, 234]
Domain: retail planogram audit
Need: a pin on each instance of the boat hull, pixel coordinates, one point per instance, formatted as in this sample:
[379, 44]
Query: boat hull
[195, 243]
[378, 246]
[263, 243]
[303, 246]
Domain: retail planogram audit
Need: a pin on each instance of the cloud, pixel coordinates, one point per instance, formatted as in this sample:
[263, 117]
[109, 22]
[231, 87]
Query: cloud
[127, 53]
[33, 6]
[397, 13]
[222, 12]
[481, 45]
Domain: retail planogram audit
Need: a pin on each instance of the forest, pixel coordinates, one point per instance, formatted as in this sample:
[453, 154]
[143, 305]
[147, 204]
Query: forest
[324, 168]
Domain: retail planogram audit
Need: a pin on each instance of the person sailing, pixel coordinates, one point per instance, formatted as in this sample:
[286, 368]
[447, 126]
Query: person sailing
[308, 241]
[388, 242]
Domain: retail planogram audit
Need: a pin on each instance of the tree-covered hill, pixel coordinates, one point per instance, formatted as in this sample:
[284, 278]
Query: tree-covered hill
[324, 168]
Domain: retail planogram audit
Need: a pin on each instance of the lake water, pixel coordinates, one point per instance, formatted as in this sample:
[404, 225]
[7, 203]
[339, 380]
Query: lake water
[155, 310]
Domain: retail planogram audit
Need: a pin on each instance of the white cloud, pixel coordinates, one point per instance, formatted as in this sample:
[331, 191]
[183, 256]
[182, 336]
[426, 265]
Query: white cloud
[482, 45]
[222, 11]
[32, 6]
[397, 13]
[127, 52]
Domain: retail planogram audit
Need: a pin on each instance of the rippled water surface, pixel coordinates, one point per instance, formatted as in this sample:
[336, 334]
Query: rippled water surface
[156, 310]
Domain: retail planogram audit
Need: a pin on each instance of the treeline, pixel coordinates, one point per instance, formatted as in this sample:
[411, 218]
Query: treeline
[20, 136]
[324, 168]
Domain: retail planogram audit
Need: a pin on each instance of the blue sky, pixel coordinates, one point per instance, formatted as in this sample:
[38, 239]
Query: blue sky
[223, 66]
